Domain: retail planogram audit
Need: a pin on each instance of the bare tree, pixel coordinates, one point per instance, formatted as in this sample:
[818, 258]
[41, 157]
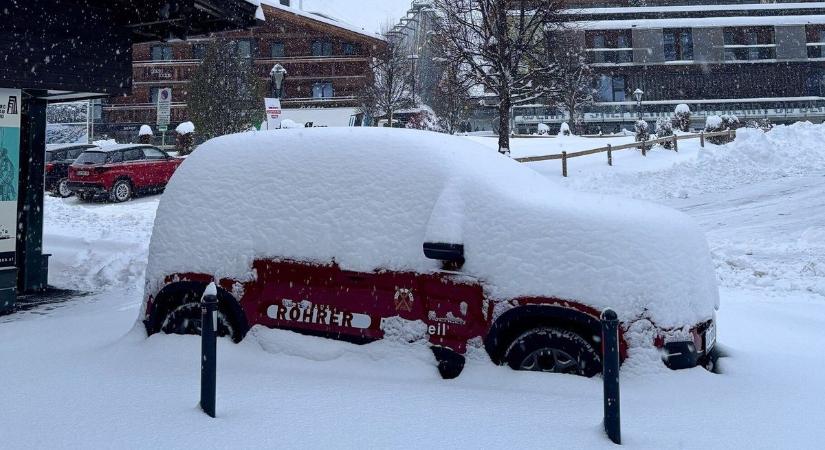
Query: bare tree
[574, 78]
[389, 89]
[502, 42]
[451, 100]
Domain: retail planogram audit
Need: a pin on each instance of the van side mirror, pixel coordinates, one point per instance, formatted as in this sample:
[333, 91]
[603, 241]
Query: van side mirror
[451, 255]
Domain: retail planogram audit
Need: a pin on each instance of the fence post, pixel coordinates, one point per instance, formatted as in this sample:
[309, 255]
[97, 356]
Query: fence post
[610, 373]
[702, 139]
[209, 331]
[564, 164]
[730, 134]
[609, 155]
[675, 143]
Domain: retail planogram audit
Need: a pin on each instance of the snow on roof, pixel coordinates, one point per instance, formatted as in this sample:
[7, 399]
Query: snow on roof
[325, 18]
[699, 22]
[55, 147]
[370, 197]
[696, 8]
[115, 147]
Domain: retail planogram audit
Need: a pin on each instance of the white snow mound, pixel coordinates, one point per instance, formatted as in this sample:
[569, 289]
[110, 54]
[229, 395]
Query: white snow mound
[145, 130]
[370, 197]
[185, 128]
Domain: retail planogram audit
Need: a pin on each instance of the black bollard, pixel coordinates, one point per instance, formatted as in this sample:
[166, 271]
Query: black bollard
[610, 373]
[209, 337]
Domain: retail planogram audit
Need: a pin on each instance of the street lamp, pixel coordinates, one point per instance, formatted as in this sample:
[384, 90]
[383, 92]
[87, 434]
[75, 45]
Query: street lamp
[638, 93]
[277, 74]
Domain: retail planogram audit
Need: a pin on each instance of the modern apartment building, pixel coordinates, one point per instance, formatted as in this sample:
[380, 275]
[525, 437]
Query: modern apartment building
[753, 59]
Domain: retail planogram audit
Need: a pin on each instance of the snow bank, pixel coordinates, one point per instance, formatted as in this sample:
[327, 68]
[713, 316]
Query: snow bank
[754, 156]
[185, 128]
[369, 197]
[145, 130]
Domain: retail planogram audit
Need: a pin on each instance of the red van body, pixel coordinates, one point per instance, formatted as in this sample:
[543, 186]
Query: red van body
[326, 301]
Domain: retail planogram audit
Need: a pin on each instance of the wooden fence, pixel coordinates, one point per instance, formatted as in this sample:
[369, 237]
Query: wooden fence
[644, 145]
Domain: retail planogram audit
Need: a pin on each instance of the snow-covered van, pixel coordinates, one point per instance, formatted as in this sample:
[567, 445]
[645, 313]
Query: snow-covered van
[353, 233]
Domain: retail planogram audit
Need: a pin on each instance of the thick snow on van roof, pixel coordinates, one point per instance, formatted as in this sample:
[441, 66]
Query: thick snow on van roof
[368, 199]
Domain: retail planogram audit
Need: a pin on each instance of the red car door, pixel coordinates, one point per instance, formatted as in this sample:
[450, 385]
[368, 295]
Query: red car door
[156, 166]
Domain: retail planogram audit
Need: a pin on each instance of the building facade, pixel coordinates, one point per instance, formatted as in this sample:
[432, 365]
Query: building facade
[755, 60]
[327, 62]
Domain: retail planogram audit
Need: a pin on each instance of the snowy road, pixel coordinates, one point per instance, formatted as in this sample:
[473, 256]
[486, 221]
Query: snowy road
[87, 381]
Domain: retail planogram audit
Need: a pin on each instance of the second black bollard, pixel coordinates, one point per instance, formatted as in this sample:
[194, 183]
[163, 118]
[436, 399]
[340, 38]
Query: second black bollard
[610, 372]
[209, 337]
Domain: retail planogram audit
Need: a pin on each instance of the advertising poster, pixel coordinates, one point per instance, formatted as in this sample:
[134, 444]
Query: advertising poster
[9, 168]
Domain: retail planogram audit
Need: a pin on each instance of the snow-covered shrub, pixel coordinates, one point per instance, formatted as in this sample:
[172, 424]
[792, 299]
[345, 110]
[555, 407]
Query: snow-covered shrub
[664, 129]
[185, 140]
[681, 117]
[642, 130]
[424, 120]
[564, 130]
[145, 134]
[724, 122]
[543, 129]
[762, 124]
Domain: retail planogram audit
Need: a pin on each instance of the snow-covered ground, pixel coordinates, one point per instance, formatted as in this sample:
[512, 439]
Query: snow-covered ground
[82, 376]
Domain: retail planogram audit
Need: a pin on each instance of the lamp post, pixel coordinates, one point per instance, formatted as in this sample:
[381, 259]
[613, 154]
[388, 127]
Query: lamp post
[277, 74]
[638, 93]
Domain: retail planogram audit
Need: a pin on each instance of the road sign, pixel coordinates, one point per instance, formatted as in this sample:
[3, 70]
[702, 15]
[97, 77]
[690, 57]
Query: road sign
[162, 128]
[273, 113]
[164, 106]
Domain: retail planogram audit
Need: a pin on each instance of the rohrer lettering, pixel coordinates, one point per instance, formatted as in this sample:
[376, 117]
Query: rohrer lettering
[318, 315]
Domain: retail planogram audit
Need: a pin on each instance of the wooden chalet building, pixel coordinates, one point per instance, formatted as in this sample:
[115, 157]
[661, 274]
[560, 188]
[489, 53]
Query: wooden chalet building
[327, 63]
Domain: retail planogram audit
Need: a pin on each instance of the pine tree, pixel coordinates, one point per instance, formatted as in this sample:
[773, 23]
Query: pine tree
[225, 95]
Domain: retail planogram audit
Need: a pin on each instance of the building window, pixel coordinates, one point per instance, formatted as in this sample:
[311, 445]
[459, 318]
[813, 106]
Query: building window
[816, 41]
[322, 90]
[351, 49]
[198, 51]
[276, 50]
[153, 94]
[678, 45]
[244, 48]
[611, 88]
[322, 48]
[161, 53]
[610, 46]
[749, 44]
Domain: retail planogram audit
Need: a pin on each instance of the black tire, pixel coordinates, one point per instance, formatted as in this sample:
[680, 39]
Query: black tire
[186, 319]
[121, 191]
[61, 188]
[553, 350]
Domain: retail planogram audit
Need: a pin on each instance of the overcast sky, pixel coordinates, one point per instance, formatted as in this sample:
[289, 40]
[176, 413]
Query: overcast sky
[367, 14]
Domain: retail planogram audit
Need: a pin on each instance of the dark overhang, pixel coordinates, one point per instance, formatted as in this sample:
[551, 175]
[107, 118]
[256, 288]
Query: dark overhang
[73, 49]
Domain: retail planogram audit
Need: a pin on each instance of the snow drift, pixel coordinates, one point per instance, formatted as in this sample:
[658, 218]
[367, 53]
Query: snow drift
[370, 197]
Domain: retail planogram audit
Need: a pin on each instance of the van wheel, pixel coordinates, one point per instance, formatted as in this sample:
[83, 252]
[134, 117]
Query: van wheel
[61, 189]
[186, 319]
[121, 191]
[553, 350]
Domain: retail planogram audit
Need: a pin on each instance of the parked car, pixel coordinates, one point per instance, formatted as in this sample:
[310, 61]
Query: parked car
[121, 171]
[361, 234]
[58, 159]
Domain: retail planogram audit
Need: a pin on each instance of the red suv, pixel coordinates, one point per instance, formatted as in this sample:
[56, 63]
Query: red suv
[121, 171]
